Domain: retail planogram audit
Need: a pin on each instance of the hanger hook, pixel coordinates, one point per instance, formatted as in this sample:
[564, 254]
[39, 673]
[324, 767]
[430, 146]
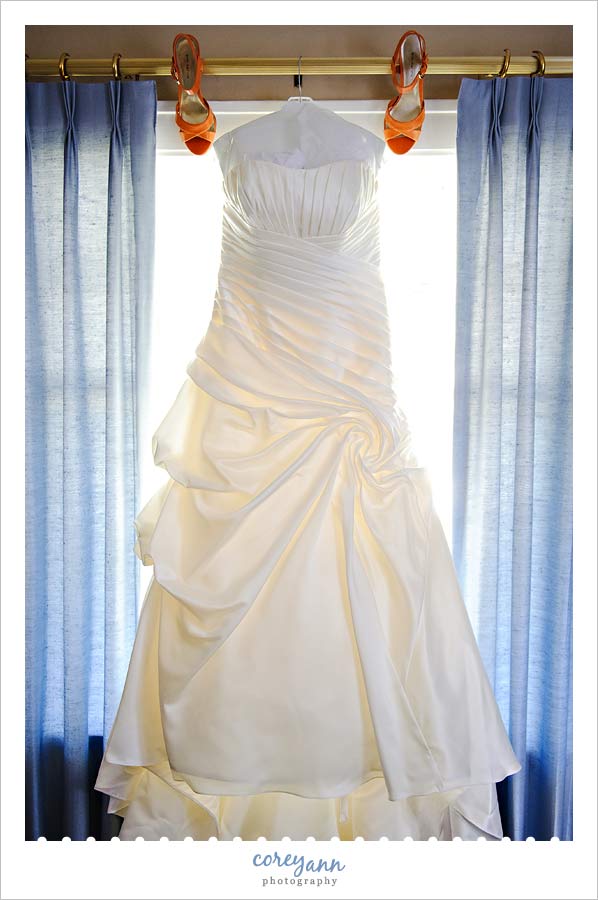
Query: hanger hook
[541, 67]
[116, 66]
[299, 77]
[64, 75]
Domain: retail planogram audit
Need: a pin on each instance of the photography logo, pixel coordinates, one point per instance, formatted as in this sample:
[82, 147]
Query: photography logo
[299, 870]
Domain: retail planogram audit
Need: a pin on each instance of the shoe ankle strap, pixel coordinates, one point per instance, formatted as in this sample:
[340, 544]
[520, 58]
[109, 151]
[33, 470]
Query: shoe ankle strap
[401, 89]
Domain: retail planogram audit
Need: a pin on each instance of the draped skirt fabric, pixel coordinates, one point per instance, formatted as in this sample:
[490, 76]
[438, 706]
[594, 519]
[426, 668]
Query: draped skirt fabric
[304, 663]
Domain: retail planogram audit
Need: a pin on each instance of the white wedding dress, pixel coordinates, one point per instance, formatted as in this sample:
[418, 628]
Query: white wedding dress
[304, 663]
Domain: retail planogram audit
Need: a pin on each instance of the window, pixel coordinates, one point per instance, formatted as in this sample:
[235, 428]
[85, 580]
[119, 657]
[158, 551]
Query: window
[418, 203]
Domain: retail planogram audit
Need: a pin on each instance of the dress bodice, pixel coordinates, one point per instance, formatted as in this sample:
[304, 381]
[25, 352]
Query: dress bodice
[327, 200]
[303, 172]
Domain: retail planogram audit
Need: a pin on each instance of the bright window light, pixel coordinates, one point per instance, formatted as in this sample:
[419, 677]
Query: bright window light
[418, 203]
[417, 196]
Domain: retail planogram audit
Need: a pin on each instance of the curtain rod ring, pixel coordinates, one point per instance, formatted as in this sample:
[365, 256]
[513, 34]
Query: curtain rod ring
[64, 75]
[541, 67]
[505, 64]
[116, 66]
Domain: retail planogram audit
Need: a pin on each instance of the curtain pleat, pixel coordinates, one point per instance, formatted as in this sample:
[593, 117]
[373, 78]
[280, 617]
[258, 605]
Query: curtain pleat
[90, 190]
[512, 463]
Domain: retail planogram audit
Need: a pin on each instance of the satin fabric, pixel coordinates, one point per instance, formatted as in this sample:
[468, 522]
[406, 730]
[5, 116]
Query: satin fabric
[302, 134]
[304, 663]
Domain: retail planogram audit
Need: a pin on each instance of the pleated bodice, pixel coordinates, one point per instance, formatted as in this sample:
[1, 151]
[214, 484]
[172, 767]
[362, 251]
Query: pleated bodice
[300, 279]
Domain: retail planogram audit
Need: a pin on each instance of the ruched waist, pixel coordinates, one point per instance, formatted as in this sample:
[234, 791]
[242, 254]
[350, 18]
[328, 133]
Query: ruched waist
[306, 312]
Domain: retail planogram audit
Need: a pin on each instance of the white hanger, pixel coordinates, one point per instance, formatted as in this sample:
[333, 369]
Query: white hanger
[300, 98]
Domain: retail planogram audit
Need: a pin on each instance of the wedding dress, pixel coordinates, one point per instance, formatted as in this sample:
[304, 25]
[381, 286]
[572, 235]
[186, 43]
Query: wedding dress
[304, 663]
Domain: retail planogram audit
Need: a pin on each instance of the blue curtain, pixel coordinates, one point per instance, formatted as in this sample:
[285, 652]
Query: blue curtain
[512, 463]
[90, 174]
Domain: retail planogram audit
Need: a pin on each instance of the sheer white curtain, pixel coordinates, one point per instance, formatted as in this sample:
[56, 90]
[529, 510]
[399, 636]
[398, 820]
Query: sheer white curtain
[418, 234]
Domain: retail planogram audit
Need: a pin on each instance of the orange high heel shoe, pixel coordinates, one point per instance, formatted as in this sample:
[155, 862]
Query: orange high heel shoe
[401, 134]
[195, 119]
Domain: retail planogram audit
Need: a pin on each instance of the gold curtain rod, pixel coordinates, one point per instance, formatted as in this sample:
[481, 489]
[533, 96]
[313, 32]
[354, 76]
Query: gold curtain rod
[119, 66]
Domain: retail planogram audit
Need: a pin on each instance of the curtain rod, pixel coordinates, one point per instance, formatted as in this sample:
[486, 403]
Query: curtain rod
[122, 67]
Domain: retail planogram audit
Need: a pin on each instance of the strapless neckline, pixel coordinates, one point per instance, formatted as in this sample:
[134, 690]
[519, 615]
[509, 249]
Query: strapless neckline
[364, 163]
